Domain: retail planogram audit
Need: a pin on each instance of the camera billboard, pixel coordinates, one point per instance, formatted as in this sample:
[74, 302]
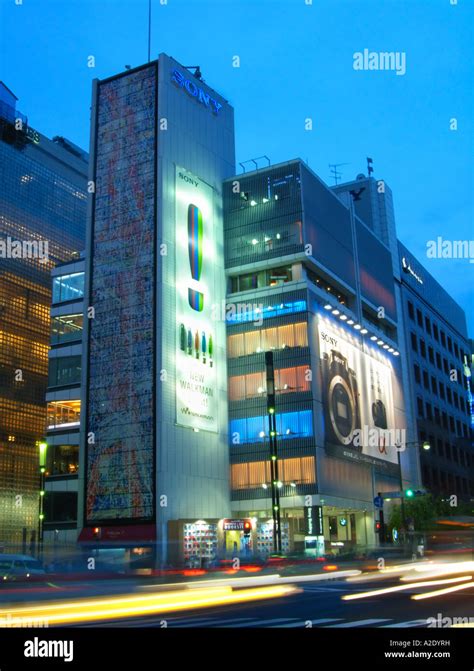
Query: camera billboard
[357, 397]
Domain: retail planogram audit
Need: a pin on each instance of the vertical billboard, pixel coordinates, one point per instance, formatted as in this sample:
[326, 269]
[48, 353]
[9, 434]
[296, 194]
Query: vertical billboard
[196, 256]
[357, 397]
[120, 395]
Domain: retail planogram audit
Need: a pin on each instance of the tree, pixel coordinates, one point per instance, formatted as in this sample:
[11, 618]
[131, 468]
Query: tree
[420, 510]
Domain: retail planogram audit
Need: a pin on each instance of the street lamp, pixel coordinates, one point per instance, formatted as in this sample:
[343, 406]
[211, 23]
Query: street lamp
[43, 447]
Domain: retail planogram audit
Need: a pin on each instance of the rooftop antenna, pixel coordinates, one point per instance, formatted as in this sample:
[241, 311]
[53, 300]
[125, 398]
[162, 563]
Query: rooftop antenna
[335, 173]
[149, 29]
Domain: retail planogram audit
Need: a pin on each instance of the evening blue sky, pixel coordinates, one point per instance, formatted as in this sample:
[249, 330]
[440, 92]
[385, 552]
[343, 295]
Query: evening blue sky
[296, 62]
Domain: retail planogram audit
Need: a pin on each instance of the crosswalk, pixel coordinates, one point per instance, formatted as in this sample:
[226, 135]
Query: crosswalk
[272, 623]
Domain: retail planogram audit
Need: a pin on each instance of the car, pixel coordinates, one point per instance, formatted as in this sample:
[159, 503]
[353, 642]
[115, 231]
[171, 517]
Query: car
[19, 567]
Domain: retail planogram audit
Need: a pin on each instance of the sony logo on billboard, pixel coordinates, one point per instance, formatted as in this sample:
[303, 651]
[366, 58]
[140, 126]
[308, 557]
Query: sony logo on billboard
[195, 91]
[329, 339]
[408, 269]
[190, 180]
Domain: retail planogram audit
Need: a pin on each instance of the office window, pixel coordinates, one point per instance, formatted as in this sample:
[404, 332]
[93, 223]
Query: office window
[441, 391]
[445, 420]
[63, 414]
[60, 507]
[438, 360]
[417, 373]
[440, 448]
[450, 345]
[262, 278]
[428, 325]
[445, 366]
[456, 350]
[435, 332]
[68, 287]
[253, 342]
[66, 328]
[456, 400]
[289, 380]
[426, 380]
[289, 425]
[414, 342]
[64, 371]
[437, 416]
[429, 411]
[422, 348]
[420, 407]
[253, 385]
[280, 337]
[449, 395]
[299, 470]
[443, 338]
[327, 286]
[62, 460]
[451, 424]
[419, 318]
[434, 385]
[270, 339]
[411, 311]
[431, 355]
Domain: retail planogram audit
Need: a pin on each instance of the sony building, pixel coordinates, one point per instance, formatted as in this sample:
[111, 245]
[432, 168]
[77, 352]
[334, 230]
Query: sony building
[154, 432]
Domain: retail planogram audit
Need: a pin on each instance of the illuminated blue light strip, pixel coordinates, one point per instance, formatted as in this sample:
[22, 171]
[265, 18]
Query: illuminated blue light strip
[267, 312]
[289, 425]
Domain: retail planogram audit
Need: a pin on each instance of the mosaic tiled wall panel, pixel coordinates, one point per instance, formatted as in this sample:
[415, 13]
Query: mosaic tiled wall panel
[120, 461]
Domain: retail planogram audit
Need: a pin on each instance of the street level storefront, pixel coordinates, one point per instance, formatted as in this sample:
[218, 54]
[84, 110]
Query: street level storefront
[203, 543]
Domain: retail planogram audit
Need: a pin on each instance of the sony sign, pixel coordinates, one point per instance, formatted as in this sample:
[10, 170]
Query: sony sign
[195, 91]
[408, 269]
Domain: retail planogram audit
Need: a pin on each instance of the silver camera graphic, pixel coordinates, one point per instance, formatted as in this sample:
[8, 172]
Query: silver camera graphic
[340, 399]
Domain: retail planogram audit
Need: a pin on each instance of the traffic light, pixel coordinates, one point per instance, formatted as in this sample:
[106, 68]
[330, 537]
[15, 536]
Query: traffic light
[410, 493]
[96, 532]
[378, 526]
[247, 528]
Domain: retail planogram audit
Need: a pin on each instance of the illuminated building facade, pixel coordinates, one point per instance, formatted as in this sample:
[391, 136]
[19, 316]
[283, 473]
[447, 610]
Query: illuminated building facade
[42, 221]
[63, 399]
[302, 283]
[154, 429]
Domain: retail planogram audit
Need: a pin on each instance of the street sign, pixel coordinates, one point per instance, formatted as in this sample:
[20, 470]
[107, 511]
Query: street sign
[378, 502]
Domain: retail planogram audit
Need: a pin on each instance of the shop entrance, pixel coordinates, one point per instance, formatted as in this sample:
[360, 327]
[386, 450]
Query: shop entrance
[237, 544]
[238, 537]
